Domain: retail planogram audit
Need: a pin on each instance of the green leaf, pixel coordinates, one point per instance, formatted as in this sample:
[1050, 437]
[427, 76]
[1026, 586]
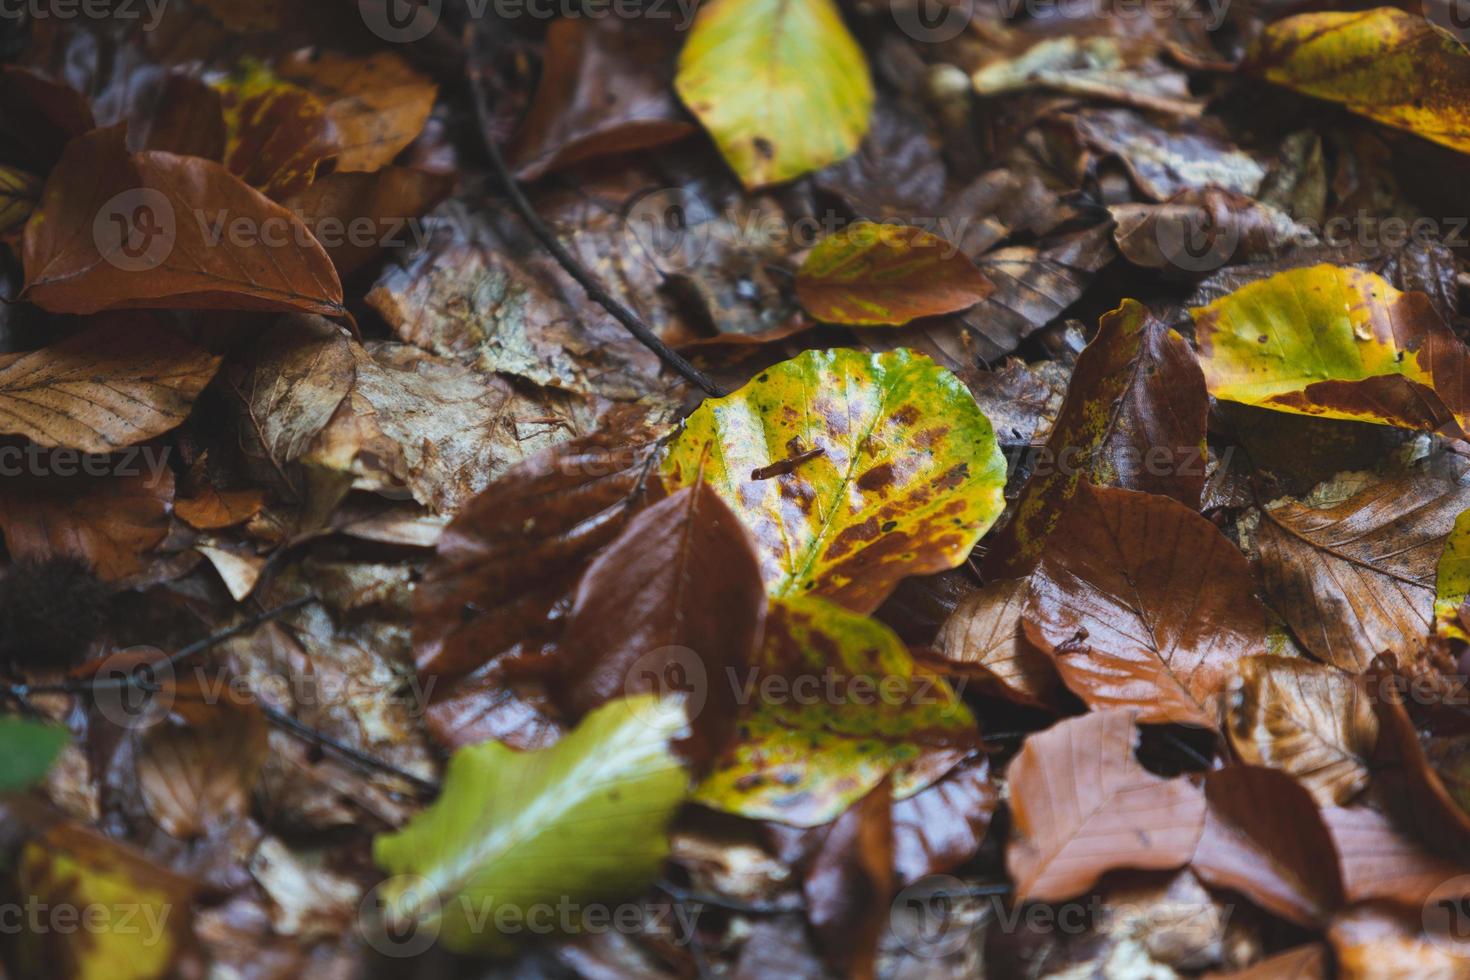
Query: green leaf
[27, 749]
[1338, 343]
[1452, 580]
[872, 274]
[851, 470]
[834, 704]
[581, 821]
[1386, 64]
[781, 85]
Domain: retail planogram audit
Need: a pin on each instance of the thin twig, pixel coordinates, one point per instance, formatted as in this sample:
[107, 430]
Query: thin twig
[304, 731]
[685, 896]
[575, 269]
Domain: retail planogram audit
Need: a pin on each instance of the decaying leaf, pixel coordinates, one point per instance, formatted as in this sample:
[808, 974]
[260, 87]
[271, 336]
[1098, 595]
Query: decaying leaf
[1452, 580]
[1080, 803]
[983, 639]
[908, 478]
[515, 829]
[1144, 604]
[377, 105]
[780, 84]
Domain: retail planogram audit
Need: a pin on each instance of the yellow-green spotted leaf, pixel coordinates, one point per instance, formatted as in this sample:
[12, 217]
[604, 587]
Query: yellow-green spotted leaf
[581, 821]
[833, 704]
[1388, 65]
[781, 85]
[1452, 580]
[873, 274]
[851, 470]
[27, 749]
[1336, 342]
[276, 134]
[20, 192]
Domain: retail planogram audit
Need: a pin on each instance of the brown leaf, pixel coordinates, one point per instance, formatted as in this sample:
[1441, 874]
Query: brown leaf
[675, 604]
[198, 775]
[606, 88]
[511, 556]
[1164, 161]
[153, 229]
[1380, 861]
[377, 105]
[1355, 579]
[38, 117]
[1264, 838]
[109, 521]
[942, 826]
[185, 116]
[357, 215]
[1200, 230]
[850, 883]
[1144, 604]
[115, 384]
[1134, 417]
[1310, 720]
[276, 134]
[1082, 805]
[1308, 962]
[1378, 941]
[213, 508]
[983, 639]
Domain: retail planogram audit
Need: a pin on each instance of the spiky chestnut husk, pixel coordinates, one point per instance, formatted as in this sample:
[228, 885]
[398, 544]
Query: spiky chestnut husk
[50, 612]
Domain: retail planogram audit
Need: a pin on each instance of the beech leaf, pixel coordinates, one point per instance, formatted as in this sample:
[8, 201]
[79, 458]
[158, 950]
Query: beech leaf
[29, 749]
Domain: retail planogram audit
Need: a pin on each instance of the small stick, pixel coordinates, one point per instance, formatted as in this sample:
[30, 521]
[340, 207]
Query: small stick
[575, 269]
[788, 465]
[306, 732]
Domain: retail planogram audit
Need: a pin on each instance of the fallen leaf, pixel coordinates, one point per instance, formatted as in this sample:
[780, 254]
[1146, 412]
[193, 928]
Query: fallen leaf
[1452, 580]
[1264, 838]
[1144, 604]
[213, 508]
[1082, 805]
[1338, 343]
[357, 215]
[673, 606]
[1380, 861]
[1164, 161]
[581, 821]
[850, 884]
[983, 639]
[117, 383]
[1091, 67]
[1387, 64]
[1309, 720]
[20, 193]
[30, 749]
[942, 826]
[780, 85]
[153, 229]
[197, 774]
[871, 274]
[888, 498]
[1134, 417]
[377, 105]
[276, 134]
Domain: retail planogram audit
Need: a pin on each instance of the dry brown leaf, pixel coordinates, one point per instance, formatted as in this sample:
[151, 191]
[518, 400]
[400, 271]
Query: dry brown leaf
[378, 105]
[1082, 805]
[1308, 719]
[197, 775]
[118, 383]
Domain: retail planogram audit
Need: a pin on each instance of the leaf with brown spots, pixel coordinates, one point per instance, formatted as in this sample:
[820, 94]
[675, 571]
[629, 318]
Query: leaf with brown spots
[1144, 604]
[909, 478]
[1134, 417]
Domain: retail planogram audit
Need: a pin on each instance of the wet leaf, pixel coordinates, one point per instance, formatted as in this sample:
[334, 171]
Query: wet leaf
[850, 883]
[780, 85]
[871, 274]
[1452, 580]
[1338, 343]
[1264, 838]
[675, 603]
[582, 821]
[377, 105]
[1144, 604]
[1387, 64]
[1310, 720]
[276, 134]
[360, 214]
[1082, 805]
[112, 385]
[1356, 578]
[833, 705]
[152, 229]
[30, 747]
[942, 826]
[908, 479]
[1163, 161]
[196, 773]
[984, 639]
[1381, 861]
[1134, 417]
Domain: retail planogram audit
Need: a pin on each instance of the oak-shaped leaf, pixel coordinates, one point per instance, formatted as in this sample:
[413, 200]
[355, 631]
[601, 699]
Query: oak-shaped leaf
[833, 705]
[1357, 578]
[1310, 720]
[852, 471]
[872, 274]
[582, 821]
[1264, 838]
[780, 85]
[1144, 604]
[1339, 343]
[675, 601]
[118, 229]
[1390, 65]
[1082, 805]
[117, 383]
[1134, 417]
